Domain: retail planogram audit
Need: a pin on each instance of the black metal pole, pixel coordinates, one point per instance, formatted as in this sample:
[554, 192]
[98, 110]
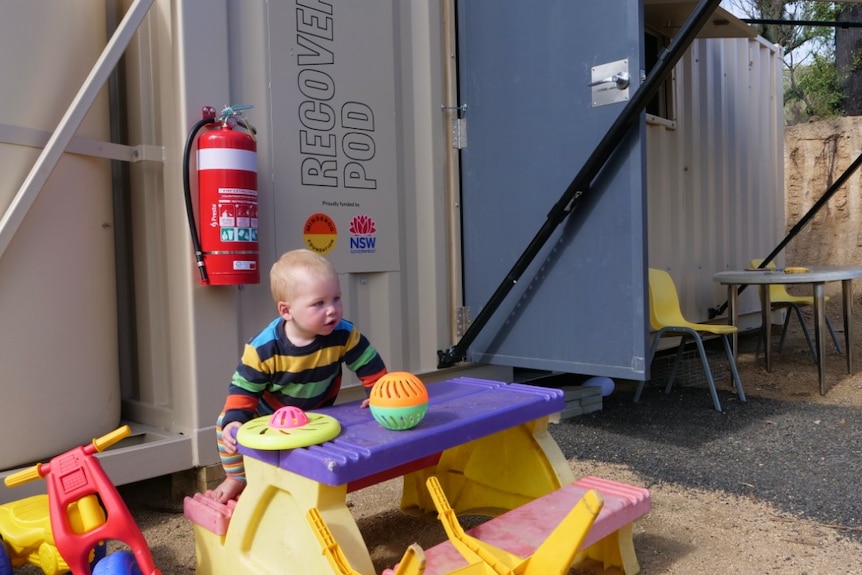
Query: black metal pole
[811, 23]
[580, 184]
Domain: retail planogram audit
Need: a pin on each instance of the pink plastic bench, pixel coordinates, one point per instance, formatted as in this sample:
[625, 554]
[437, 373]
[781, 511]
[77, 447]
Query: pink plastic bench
[522, 530]
[209, 513]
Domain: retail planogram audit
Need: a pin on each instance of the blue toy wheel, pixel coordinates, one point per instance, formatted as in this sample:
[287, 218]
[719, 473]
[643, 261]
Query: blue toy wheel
[5, 562]
[119, 563]
[99, 553]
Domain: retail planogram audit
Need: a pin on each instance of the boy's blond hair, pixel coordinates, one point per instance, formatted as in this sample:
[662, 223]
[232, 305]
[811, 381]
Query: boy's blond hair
[293, 265]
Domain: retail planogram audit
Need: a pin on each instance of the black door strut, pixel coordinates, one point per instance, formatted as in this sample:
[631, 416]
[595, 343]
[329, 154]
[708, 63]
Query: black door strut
[580, 185]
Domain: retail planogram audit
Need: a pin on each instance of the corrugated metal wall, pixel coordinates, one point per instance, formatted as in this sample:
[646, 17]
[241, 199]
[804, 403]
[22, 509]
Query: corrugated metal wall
[715, 182]
[57, 295]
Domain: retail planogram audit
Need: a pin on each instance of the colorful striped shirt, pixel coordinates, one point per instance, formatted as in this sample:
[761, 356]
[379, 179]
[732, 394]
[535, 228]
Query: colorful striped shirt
[273, 372]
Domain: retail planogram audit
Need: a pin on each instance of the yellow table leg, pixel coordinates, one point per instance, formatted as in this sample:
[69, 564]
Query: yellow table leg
[269, 532]
[616, 550]
[493, 474]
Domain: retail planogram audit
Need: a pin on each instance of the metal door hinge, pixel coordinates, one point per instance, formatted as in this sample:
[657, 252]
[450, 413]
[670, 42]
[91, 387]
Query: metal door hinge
[463, 319]
[458, 126]
[459, 133]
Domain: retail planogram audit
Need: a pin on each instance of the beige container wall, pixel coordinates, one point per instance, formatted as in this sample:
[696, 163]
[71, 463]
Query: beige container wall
[716, 176]
[57, 298]
[199, 52]
[187, 334]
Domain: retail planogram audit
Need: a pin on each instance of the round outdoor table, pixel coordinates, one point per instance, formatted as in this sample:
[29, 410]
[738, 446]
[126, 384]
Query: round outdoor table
[817, 277]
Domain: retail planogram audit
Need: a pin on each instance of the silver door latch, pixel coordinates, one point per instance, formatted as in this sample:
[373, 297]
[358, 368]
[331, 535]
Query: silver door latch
[610, 83]
[622, 81]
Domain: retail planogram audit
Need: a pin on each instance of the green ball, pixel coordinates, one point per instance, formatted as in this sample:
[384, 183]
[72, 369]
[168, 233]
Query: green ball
[399, 418]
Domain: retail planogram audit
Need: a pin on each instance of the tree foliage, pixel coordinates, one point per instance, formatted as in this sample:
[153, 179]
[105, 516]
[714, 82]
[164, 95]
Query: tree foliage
[812, 84]
[848, 54]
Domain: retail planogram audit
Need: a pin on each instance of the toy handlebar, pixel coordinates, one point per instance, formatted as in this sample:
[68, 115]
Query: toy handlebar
[102, 443]
[98, 445]
[24, 476]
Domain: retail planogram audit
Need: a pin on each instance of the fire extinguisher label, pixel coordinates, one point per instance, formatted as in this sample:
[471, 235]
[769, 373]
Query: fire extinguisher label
[227, 159]
[236, 215]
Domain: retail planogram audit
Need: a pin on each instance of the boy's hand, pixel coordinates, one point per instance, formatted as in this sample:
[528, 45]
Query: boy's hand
[228, 436]
[365, 403]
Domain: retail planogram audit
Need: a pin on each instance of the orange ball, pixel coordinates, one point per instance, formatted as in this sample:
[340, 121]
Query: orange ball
[398, 401]
[398, 389]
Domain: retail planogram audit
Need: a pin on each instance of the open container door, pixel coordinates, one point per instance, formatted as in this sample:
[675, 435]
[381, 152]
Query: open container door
[532, 119]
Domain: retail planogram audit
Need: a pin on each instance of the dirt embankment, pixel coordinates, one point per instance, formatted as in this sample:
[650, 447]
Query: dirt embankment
[816, 154]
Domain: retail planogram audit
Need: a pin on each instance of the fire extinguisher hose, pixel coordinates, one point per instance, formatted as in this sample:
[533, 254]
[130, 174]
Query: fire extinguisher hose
[196, 242]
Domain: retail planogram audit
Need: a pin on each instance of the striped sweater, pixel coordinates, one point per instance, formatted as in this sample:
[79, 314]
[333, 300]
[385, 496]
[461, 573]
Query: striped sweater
[273, 372]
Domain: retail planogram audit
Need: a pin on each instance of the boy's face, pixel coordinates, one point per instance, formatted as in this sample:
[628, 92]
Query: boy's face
[314, 310]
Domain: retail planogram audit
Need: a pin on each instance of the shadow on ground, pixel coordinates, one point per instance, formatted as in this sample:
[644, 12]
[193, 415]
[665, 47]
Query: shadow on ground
[802, 457]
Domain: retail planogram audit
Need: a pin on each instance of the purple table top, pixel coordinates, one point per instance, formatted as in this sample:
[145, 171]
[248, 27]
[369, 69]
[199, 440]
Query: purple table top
[459, 410]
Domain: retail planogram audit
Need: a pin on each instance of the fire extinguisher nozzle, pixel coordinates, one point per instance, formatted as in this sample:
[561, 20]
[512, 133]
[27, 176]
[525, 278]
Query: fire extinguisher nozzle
[202, 268]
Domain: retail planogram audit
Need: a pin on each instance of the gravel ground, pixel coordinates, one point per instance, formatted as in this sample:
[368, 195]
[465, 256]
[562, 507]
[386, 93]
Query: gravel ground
[804, 458]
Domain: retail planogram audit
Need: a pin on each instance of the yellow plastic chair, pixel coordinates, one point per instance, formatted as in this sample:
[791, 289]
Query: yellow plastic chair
[779, 298]
[667, 320]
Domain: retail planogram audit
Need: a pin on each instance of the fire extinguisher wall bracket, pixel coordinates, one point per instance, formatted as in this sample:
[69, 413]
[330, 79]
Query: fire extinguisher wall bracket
[226, 250]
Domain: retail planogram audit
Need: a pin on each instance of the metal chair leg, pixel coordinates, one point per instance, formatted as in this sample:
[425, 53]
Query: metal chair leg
[832, 333]
[807, 334]
[795, 309]
[805, 331]
[783, 334]
[708, 371]
[734, 370]
[684, 335]
[676, 362]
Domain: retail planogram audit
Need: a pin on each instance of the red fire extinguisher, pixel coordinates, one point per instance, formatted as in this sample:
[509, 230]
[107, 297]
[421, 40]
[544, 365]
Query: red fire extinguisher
[226, 250]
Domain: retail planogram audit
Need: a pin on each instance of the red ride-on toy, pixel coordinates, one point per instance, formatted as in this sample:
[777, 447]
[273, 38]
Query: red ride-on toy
[85, 512]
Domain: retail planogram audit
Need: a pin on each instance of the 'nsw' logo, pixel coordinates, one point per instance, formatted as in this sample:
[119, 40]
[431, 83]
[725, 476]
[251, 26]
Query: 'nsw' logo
[362, 230]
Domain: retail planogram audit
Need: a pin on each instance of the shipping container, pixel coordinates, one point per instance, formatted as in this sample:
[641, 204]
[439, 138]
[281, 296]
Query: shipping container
[421, 146]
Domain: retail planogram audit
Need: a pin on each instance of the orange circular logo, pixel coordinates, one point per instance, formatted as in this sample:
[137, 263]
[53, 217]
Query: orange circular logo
[320, 233]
